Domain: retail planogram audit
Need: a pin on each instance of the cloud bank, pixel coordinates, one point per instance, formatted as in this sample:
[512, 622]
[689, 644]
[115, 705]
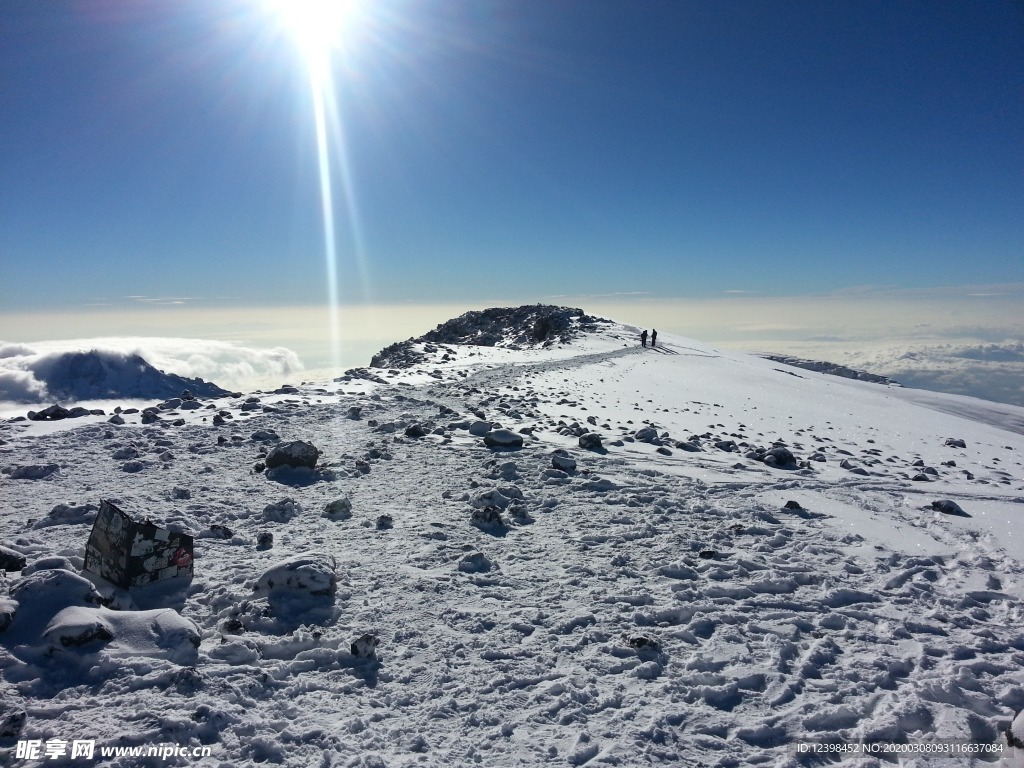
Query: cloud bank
[24, 368]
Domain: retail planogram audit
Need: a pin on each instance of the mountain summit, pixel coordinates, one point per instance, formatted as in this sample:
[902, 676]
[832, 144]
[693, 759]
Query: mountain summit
[532, 325]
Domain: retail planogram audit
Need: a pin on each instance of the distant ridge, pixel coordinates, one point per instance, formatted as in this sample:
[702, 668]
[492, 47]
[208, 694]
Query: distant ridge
[98, 375]
[531, 325]
[833, 369]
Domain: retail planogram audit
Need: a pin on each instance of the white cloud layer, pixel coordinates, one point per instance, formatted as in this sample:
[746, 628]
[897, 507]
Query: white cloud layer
[228, 364]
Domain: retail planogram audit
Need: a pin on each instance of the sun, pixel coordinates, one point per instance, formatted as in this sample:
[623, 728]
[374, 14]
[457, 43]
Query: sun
[316, 26]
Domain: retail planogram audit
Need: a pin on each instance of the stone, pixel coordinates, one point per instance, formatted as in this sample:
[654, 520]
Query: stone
[591, 441]
[339, 509]
[11, 560]
[366, 647]
[415, 431]
[53, 413]
[563, 461]
[295, 454]
[474, 562]
[503, 438]
[948, 507]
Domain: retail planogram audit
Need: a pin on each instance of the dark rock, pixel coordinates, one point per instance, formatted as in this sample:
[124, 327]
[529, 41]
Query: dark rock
[339, 509]
[264, 540]
[956, 442]
[591, 441]
[664, 451]
[385, 522]
[366, 647]
[792, 505]
[11, 560]
[503, 438]
[218, 531]
[948, 507]
[53, 413]
[295, 454]
[415, 431]
[11, 723]
[707, 554]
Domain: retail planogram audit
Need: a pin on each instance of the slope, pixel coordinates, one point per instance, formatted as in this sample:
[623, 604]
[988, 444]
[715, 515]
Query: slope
[652, 600]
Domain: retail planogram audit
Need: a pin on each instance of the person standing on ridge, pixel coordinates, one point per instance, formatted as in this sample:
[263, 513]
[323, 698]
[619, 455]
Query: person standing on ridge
[654, 336]
[643, 338]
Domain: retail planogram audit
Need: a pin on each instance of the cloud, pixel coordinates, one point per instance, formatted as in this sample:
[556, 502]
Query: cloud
[228, 364]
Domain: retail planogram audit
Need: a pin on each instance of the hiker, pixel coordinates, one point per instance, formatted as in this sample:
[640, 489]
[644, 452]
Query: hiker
[643, 338]
[654, 337]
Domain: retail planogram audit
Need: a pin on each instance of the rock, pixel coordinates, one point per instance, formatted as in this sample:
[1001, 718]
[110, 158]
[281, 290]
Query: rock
[664, 451]
[295, 454]
[354, 412]
[487, 517]
[474, 562]
[956, 442]
[503, 438]
[385, 523]
[264, 540]
[115, 419]
[8, 608]
[707, 554]
[415, 431]
[726, 445]
[479, 428]
[218, 420]
[640, 642]
[366, 647]
[11, 560]
[281, 511]
[265, 436]
[339, 509]
[686, 445]
[218, 531]
[306, 575]
[11, 722]
[492, 498]
[948, 507]
[562, 460]
[35, 472]
[53, 413]
[646, 435]
[792, 505]
[779, 456]
[591, 441]
[128, 452]
[150, 417]
[133, 466]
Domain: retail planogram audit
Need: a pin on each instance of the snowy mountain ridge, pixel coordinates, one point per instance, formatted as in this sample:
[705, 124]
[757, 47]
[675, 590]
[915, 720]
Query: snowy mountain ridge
[589, 553]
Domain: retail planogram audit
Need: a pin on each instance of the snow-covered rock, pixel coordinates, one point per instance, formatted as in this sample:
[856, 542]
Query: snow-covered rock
[298, 453]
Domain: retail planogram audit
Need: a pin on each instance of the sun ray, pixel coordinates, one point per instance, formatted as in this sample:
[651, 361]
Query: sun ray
[317, 28]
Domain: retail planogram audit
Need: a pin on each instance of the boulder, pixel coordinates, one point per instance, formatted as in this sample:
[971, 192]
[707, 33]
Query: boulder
[479, 428]
[35, 472]
[562, 460]
[591, 441]
[53, 413]
[295, 454]
[948, 507]
[503, 438]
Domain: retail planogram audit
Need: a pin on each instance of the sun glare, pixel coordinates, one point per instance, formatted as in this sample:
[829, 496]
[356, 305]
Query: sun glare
[315, 25]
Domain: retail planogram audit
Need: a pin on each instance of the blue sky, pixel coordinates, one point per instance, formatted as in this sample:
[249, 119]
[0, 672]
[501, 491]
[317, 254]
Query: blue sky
[510, 150]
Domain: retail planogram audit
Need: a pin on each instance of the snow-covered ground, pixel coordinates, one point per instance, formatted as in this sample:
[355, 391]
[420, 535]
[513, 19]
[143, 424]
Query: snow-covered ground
[666, 599]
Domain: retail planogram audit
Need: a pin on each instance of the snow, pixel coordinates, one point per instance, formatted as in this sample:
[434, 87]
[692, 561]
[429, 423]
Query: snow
[642, 604]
